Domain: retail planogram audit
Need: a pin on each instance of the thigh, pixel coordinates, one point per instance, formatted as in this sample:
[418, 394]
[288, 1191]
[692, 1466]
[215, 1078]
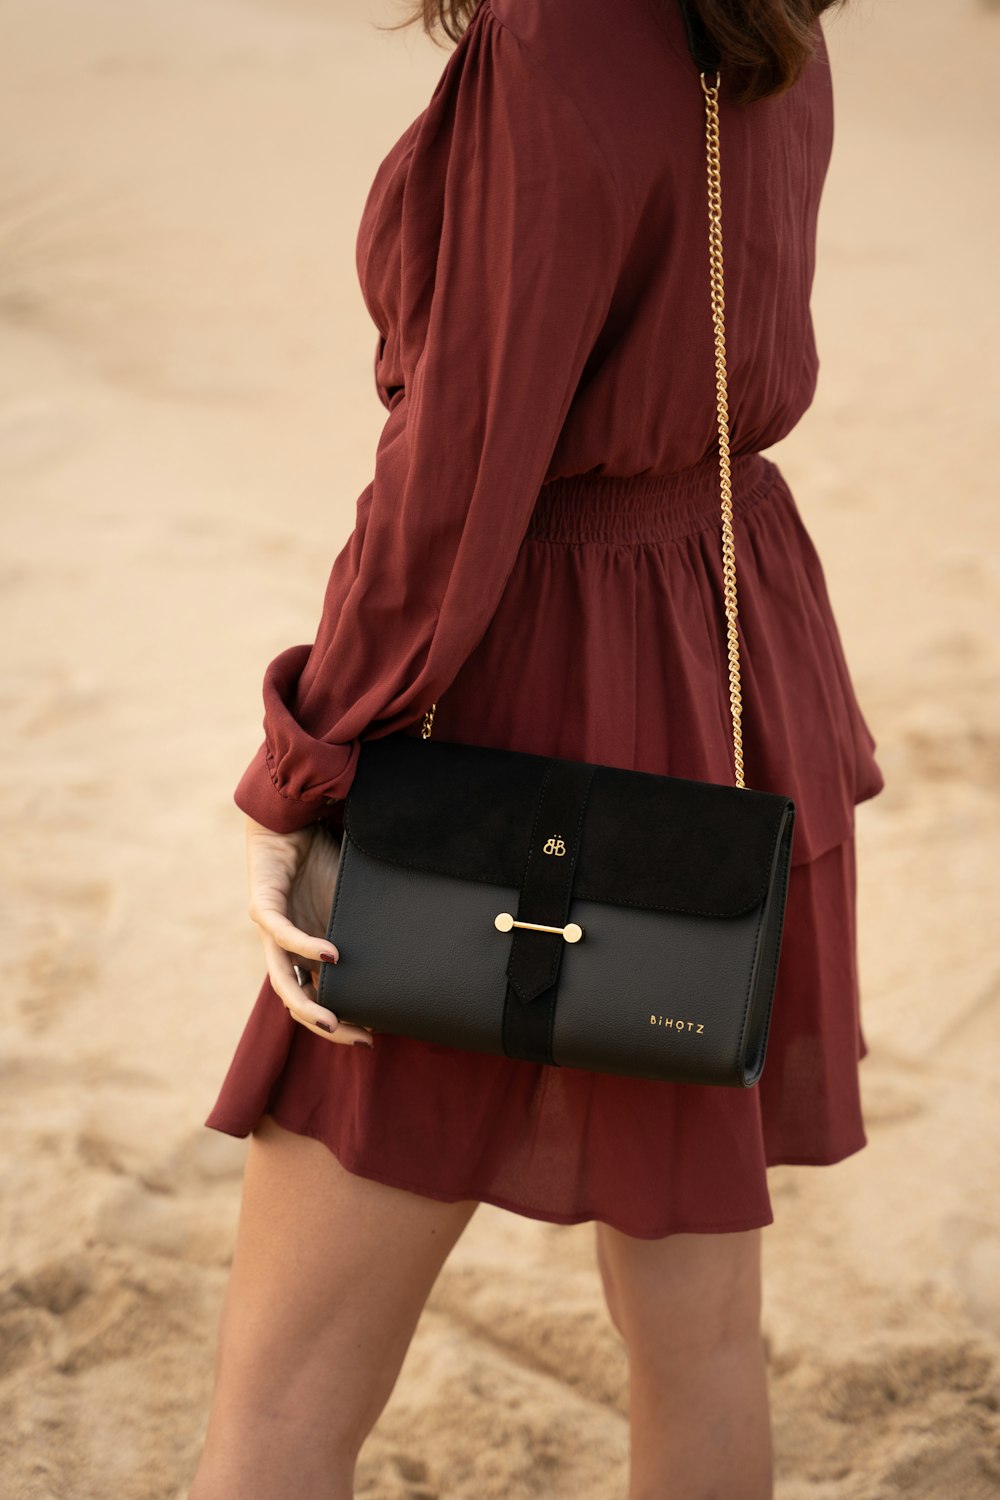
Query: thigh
[682, 1295]
[330, 1273]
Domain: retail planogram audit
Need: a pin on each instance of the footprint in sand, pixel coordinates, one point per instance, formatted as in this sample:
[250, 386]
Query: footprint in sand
[51, 984]
[876, 1387]
[414, 1472]
[184, 1206]
[31, 1306]
[951, 740]
[909, 1419]
[133, 1307]
[64, 957]
[561, 1332]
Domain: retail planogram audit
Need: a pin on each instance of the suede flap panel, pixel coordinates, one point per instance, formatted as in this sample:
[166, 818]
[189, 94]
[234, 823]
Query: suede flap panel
[662, 842]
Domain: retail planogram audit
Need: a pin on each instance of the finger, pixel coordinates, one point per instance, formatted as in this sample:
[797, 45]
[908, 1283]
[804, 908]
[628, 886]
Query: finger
[307, 972]
[301, 1002]
[291, 938]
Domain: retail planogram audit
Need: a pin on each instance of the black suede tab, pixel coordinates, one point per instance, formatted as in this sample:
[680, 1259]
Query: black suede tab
[663, 842]
[526, 1030]
[547, 885]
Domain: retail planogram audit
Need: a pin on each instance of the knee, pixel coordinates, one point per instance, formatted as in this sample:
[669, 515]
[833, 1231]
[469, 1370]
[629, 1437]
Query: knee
[683, 1350]
[683, 1298]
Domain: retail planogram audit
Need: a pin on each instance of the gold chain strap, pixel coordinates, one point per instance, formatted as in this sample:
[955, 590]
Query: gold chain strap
[711, 93]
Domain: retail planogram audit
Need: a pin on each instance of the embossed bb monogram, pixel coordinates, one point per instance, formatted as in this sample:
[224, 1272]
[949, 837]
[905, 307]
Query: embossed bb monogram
[554, 845]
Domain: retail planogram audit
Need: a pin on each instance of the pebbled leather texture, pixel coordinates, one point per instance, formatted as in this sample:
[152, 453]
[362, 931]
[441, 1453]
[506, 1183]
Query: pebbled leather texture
[674, 977]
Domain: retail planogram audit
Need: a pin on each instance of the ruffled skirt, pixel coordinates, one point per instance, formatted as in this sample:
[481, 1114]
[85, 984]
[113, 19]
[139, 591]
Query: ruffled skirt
[609, 645]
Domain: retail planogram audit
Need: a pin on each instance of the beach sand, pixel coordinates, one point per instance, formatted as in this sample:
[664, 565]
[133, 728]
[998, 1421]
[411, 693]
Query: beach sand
[187, 417]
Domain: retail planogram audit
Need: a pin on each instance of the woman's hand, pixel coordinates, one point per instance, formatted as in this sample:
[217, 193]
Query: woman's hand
[292, 878]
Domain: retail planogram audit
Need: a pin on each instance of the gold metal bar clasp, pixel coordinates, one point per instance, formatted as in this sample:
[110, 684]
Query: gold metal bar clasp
[572, 932]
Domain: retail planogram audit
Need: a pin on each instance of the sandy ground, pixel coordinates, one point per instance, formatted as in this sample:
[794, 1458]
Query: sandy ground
[186, 420]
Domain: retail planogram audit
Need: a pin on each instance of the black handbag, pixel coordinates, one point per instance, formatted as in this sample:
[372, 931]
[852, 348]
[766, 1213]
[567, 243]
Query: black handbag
[566, 912]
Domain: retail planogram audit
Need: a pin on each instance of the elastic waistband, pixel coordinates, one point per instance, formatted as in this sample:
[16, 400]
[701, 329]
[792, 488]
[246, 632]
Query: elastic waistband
[595, 507]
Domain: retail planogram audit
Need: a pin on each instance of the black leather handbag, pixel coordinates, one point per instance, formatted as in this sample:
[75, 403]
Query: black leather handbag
[566, 912]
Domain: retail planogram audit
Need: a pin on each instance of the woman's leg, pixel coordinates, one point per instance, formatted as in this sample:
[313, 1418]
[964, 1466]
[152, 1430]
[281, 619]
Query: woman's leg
[688, 1307]
[330, 1274]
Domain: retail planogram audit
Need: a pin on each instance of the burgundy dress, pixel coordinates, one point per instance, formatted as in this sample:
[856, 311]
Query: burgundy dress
[539, 550]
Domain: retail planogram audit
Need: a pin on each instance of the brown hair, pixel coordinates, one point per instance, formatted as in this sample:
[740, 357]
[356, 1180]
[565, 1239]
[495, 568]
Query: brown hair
[763, 45]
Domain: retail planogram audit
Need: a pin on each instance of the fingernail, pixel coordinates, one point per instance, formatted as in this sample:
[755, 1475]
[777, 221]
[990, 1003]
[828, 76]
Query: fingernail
[330, 957]
[323, 1026]
[359, 1043]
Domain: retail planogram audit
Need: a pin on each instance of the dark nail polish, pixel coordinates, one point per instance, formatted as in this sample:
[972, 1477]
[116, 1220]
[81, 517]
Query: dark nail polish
[324, 1026]
[330, 958]
[359, 1043]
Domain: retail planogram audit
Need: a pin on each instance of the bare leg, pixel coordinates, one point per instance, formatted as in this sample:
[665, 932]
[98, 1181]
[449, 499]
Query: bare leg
[688, 1307]
[330, 1274]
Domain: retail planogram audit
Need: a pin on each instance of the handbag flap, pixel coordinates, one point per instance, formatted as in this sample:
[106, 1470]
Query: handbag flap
[648, 840]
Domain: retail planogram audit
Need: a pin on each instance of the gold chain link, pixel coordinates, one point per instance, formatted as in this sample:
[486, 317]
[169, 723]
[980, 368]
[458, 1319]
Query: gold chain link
[711, 93]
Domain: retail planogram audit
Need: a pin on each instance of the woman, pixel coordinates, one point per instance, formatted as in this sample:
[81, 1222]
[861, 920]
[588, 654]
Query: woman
[539, 549]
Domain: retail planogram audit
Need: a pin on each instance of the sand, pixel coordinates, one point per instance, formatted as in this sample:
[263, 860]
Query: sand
[186, 420]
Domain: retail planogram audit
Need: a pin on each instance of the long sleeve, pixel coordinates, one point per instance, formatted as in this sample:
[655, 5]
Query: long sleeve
[511, 243]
